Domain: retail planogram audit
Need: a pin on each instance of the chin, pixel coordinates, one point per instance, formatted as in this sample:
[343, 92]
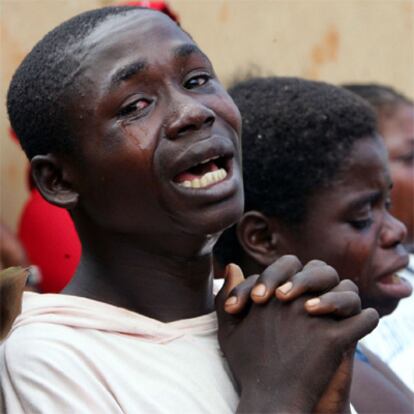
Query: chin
[213, 220]
[224, 216]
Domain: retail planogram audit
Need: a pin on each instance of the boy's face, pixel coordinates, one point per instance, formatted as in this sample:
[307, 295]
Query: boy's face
[349, 227]
[398, 132]
[159, 135]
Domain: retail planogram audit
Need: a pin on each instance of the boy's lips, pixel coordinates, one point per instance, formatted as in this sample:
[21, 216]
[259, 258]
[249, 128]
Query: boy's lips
[204, 165]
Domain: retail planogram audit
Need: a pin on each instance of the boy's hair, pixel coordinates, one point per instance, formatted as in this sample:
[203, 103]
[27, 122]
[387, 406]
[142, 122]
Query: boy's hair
[381, 97]
[297, 136]
[39, 95]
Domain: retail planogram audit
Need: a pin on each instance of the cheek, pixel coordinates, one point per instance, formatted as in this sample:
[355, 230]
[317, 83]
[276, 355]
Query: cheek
[357, 260]
[351, 254]
[140, 135]
[228, 111]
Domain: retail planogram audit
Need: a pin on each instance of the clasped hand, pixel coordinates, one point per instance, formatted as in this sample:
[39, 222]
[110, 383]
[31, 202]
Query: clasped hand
[289, 336]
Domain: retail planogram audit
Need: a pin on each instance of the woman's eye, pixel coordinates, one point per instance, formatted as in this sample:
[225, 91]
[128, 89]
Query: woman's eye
[197, 81]
[134, 107]
[362, 224]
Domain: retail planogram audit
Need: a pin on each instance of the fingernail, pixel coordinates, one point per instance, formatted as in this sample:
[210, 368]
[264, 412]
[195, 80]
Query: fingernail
[313, 302]
[232, 300]
[285, 288]
[259, 290]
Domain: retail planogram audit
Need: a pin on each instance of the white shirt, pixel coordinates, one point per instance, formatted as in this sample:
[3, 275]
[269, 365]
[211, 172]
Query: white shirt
[68, 354]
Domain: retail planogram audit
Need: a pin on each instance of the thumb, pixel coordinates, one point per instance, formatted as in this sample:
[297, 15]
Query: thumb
[12, 283]
[336, 398]
[233, 276]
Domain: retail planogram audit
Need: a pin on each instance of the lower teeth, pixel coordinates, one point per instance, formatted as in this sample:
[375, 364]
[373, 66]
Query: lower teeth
[206, 180]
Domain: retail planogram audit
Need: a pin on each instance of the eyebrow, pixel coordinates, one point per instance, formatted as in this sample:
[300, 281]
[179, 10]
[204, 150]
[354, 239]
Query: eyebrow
[134, 68]
[186, 50]
[362, 201]
[127, 72]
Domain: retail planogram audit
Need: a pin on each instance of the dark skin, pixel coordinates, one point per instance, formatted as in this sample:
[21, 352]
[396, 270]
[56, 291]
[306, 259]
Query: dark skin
[154, 109]
[396, 125]
[11, 250]
[360, 239]
[12, 283]
[302, 374]
[145, 129]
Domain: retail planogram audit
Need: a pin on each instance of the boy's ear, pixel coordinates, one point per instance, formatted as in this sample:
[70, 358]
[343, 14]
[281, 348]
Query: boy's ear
[259, 238]
[52, 179]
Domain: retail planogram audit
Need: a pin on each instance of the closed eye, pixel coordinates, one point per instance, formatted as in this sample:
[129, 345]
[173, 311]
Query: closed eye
[361, 224]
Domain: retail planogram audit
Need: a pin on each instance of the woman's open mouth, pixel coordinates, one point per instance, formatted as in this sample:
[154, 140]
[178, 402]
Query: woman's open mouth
[395, 286]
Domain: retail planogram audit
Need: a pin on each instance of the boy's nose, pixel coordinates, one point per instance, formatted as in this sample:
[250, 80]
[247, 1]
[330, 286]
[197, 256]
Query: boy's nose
[393, 231]
[188, 116]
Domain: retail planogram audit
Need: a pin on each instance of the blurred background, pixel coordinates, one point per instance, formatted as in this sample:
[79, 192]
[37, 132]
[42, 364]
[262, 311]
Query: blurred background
[333, 40]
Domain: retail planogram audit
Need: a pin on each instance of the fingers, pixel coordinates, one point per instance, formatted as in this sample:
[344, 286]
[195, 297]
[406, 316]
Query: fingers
[12, 283]
[240, 296]
[273, 276]
[316, 276]
[342, 301]
[233, 277]
[343, 304]
[356, 327]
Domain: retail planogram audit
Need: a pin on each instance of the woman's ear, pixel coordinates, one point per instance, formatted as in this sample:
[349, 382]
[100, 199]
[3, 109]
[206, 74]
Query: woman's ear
[259, 238]
[52, 179]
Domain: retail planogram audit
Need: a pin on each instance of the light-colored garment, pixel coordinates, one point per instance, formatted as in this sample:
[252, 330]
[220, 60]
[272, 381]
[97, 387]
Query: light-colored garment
[68, 354]
[393, 339]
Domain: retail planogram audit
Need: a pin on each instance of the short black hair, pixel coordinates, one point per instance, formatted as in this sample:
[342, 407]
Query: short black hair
[381, 97]
[297, 135]
[43, 83]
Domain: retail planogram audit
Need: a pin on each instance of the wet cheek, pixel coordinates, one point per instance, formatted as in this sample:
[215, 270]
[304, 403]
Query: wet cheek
[141, 136]
[356, 261]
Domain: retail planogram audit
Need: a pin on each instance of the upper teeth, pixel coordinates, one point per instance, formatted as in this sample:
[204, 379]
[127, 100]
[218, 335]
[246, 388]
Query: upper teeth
[206, 180]
[395, 279]
[209, 159]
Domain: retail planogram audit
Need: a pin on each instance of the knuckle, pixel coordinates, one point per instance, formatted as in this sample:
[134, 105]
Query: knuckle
[371, 316]
[291, 260]
[244, 287]
[315, 263]
[351, 303]
[348, 284]
[303, 278]
[333, 337]
[238, 290]
[332, 273]
[355, 300]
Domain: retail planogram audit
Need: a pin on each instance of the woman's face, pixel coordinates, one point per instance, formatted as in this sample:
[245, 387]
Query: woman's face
[397, 129]
[349, 227]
